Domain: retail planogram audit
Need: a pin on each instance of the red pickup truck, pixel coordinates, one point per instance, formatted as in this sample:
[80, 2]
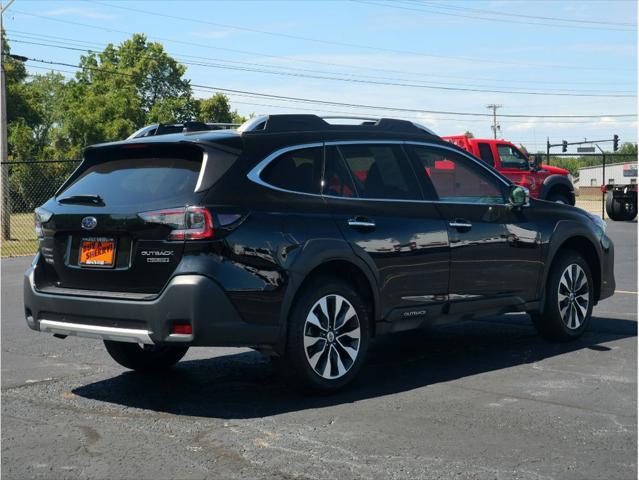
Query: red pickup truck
[544, 182]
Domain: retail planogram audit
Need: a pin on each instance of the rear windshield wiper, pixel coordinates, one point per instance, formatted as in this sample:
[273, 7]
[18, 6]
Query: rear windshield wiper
[89, 198]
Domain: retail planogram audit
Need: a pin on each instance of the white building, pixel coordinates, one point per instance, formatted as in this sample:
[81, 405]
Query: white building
[616, 173]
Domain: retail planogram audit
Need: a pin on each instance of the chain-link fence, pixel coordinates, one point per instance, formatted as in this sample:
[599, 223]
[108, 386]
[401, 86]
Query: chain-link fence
[592, 170]
[30, 184]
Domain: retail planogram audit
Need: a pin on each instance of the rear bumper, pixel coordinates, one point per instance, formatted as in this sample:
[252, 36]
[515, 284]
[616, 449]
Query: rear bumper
[194, 299]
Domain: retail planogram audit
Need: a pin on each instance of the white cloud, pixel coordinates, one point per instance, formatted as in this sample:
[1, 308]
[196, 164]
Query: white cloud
[80, 12]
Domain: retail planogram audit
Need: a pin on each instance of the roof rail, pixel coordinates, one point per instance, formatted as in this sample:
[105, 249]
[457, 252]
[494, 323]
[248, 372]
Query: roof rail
[338, 117]
[282, 123]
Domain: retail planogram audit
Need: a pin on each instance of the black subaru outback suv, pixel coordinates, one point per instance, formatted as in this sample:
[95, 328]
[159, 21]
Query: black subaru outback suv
[302, 239]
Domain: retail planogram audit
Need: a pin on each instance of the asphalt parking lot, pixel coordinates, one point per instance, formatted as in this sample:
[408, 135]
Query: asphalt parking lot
[482, 399]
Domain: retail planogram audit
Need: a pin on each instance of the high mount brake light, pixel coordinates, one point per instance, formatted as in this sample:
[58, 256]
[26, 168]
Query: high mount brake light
[189, 223]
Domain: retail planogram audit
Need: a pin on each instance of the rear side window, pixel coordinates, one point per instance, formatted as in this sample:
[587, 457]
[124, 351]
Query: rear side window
[297, 171]
[138, 181]
[380, 172]
[486, 154]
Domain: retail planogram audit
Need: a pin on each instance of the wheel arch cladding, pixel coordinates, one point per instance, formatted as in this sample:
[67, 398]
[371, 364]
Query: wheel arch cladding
[587, 250]
[347, 271]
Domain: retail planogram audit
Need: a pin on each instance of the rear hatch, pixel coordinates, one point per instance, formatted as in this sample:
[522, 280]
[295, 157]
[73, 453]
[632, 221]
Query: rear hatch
[99, 237]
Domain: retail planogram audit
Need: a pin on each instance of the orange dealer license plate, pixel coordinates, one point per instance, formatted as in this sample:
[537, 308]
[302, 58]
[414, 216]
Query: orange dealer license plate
[97, 252]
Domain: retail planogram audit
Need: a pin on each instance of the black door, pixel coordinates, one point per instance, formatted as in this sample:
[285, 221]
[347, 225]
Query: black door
[375, 198]
[494, 249]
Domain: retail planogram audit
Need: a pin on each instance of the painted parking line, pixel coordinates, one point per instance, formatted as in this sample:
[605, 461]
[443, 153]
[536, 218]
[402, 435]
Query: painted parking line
[627, 291]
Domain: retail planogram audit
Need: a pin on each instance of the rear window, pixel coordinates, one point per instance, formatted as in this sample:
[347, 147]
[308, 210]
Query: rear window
[138, 181]
[297, 171]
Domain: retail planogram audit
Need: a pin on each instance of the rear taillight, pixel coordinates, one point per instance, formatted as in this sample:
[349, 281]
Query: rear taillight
[188, 223]
[40, 216]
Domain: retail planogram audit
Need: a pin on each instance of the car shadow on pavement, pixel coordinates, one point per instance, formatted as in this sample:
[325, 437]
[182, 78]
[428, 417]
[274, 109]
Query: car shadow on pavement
[245, 385]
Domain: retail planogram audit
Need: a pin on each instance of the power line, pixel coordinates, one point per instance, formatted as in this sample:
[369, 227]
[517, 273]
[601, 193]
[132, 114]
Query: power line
[475, 17]
[518, 15]
[324, 41]
[289, 107]
[333, 103]
[283, 58]
[74, 43]
[245, 67]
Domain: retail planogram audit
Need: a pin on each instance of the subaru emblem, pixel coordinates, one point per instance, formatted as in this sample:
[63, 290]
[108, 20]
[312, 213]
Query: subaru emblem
[89, 223]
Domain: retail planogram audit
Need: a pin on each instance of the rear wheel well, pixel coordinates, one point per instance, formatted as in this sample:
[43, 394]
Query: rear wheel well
[350, 273]
[586, 249]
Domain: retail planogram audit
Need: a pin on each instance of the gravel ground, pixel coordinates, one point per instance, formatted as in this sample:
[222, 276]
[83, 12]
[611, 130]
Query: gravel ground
[474, 400]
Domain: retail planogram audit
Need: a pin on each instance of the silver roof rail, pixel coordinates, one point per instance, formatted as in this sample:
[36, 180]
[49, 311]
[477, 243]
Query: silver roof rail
[252, 124]
[339, 117]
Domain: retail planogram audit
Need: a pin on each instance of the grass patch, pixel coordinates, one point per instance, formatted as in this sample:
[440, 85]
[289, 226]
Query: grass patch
[23, 240]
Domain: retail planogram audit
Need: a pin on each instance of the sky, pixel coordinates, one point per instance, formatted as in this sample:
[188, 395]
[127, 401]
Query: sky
[417, 56]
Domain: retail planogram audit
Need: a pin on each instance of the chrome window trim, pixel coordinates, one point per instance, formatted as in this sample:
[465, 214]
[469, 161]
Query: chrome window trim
[366, 142]
[255, 173]
[200, 178]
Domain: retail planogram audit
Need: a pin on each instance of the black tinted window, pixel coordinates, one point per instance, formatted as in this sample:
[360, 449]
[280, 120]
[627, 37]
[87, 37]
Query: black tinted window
[337, 179]
[380, 171]
[139, 181]
[456, 178]
[298, 171]
[486, 154]
[512, 158]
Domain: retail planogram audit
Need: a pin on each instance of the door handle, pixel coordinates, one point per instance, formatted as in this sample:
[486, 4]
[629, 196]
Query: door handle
[361, 223]
[460, 224]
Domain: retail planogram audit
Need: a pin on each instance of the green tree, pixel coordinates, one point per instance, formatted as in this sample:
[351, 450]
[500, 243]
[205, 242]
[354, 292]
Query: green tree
[116, 91]
[18, 106]
[217, 109]
[154, 74]
[628, 148]
[122, 89]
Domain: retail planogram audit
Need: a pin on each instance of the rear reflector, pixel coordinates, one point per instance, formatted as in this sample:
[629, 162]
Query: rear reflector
[182, 329]
[189, 223]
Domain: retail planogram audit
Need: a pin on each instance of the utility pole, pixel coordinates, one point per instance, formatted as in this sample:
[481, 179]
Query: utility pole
[495, 126]
[5, 211]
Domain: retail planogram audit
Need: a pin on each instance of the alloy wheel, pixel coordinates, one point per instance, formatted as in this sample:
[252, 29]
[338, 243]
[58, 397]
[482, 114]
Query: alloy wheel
[573, 296]
[332, 336]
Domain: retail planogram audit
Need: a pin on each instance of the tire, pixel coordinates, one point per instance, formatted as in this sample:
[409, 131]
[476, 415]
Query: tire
[147, 358]
[327, 337]
[559, 197]
[565, 317]
[620, 211]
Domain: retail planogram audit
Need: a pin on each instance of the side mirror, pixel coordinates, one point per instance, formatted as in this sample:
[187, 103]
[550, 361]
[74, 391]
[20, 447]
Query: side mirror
[519, 196]
[536, 163]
